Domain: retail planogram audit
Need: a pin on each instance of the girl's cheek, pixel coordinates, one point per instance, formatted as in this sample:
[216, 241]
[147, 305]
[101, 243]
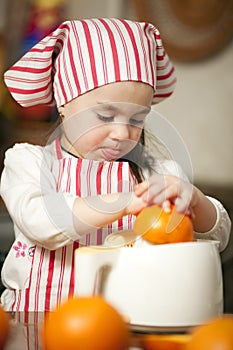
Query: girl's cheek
[139, 132]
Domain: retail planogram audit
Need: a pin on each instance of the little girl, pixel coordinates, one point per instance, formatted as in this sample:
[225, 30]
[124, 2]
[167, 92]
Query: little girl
[103, 75]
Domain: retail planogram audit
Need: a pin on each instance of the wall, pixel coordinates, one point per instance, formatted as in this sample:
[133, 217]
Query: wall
[90, 8]
[202, 110]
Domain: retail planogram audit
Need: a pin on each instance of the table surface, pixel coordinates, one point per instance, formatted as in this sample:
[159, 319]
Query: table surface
[26, 328]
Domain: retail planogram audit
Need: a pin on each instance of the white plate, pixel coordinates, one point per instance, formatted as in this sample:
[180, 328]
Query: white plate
[159, 329]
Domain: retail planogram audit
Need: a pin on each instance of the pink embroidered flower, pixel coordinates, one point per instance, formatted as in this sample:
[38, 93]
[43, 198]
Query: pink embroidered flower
[20, 249]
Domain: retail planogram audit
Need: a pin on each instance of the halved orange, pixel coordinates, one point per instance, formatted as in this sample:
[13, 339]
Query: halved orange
[158, 227]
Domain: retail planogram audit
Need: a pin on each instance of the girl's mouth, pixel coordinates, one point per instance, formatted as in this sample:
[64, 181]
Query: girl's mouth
[111, 154]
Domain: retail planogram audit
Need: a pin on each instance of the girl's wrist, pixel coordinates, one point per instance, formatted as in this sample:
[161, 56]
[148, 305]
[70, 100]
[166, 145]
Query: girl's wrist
[196, 198]
[205, 214]
[135, 204]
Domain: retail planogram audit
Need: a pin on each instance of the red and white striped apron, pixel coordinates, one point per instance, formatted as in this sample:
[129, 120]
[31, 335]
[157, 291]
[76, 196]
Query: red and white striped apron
[51, 277]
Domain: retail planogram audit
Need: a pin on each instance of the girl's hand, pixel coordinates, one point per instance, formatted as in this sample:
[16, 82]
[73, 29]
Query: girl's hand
[135, 204]
[166, 189]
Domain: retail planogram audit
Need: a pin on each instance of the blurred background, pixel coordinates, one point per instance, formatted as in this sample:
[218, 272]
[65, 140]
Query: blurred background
[198, 36]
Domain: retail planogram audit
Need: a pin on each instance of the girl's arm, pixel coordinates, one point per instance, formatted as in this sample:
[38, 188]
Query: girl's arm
[204, 212]
[48, 218]
[91, 213]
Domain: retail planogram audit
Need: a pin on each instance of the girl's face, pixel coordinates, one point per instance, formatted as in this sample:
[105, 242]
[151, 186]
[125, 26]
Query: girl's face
[106, 123]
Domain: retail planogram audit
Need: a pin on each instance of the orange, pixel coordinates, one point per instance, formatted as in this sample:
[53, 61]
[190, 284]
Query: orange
[4, 328]
[165, 342]
[213, 335]
[158, 227]
[85, 323]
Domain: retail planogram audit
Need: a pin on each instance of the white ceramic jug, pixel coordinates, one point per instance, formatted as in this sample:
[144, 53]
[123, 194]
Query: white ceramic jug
[169, 285]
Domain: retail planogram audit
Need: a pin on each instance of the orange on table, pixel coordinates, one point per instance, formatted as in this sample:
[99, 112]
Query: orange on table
[4, 327]
[85, 323]
[213, 335]
[164, 342]
[158, 227]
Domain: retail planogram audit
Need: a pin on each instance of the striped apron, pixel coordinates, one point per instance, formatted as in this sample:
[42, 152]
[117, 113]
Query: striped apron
[51, 278]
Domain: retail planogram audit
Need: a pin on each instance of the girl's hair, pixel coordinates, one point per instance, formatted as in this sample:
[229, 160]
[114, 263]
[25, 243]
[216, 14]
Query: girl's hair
[146, 155]
[139, 159]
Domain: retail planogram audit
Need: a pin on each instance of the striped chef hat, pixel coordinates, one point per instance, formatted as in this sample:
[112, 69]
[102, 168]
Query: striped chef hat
[82, 55]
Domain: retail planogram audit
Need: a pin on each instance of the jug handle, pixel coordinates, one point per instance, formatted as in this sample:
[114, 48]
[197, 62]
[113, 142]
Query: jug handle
[100, 279]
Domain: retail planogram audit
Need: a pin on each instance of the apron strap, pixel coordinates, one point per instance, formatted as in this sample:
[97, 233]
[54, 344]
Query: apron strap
[58, 148]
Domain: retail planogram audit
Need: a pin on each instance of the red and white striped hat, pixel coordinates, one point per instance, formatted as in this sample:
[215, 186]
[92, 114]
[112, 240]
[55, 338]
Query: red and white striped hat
[82, 55]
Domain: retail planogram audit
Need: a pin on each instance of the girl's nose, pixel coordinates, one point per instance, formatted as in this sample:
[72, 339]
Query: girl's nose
[121, 131]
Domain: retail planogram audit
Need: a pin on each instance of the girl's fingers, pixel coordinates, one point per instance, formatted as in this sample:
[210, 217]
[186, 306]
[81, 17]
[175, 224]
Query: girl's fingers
[164, 190]
[158, 194]
[181, 205]
[139, 189]
[156, 181]
[166, 206]
[135, 205]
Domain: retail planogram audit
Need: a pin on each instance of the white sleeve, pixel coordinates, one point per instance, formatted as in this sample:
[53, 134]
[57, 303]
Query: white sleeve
[222, 228]
[29, 191]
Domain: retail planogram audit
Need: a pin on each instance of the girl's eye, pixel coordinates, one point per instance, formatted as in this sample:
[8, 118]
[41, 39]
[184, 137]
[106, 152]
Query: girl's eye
[136, 121]
[105, 118]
